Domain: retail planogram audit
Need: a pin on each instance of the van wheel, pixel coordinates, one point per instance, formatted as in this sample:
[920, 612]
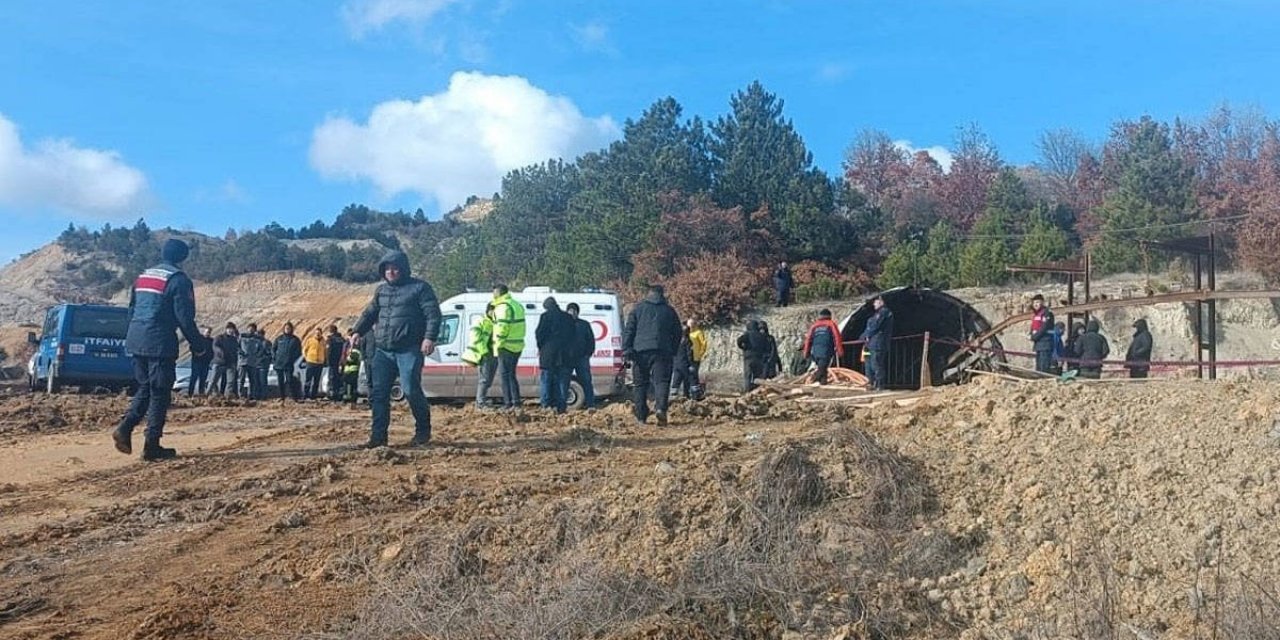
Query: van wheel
[52, 385]
[576, 397]
[397, 393]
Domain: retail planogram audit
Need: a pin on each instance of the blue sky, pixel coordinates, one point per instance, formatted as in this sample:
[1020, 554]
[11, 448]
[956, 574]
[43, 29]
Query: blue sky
[234, 113]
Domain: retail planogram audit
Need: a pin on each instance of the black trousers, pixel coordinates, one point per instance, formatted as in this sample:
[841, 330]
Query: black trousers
[288, 383]
[335, 382]
[751, 369]
[312, 388]
[651, 373]
[154, 377]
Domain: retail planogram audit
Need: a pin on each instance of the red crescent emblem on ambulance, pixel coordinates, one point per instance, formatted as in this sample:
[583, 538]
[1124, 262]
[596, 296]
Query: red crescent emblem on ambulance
[601, 329]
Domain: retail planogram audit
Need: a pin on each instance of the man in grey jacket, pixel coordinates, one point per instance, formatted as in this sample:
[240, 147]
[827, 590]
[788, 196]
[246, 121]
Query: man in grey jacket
[407, 314]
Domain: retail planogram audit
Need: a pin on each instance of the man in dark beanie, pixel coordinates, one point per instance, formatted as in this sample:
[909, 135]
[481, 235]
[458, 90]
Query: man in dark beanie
[650, 340]
[407, 314]
[162, 302]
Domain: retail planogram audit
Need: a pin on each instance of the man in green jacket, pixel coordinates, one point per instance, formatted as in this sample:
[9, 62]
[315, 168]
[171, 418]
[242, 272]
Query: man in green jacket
[479, 353]
[508, 342]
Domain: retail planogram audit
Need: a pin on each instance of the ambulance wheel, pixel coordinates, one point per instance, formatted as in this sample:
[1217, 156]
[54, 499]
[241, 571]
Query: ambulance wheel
[576, 397]
[397, 394]
[52, 385]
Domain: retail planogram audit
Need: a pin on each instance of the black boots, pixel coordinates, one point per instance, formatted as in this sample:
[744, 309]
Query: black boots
[124, 441]
[152, 452]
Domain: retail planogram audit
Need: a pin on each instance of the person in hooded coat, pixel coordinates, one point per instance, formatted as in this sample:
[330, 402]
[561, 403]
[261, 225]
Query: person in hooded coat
[755, 350]
[1138, 358]
[1092, 348]
[650, 339]
[407, 314]
[162, 302]
[772, 361]
[555, 351]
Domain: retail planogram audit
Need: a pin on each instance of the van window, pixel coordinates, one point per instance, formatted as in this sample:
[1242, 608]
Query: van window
[448, 330]
[99, 323]
[50, 323]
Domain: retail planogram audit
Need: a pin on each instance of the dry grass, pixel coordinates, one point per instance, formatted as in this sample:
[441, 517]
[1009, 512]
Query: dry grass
[767, 572]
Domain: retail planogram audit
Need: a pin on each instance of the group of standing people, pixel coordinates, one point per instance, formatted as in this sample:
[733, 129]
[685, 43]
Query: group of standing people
[241, 363]
[1085, 348]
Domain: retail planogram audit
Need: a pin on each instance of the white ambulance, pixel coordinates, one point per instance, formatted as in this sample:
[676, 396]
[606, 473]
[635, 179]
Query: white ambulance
[445, 375]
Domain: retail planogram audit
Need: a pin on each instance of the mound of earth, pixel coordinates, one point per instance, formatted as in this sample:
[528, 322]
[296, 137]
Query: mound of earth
[994, 510]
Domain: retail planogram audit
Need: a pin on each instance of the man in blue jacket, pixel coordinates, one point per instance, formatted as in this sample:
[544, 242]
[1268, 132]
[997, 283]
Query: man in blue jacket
[162, 302]
[407, 314]
[877, 334]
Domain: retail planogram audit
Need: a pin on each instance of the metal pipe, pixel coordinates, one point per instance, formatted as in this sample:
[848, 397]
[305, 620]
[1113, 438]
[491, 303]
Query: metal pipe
[1213, 310]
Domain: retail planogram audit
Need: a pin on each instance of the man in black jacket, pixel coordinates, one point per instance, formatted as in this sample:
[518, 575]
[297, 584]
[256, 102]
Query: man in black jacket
[161, 303]
[226, 361]
[755, 350]
[584, 342]
[407, 314]
[1138, 359]
[252, 346]
[555, 352]
[649, 341]
[335, 357]
[287, 351]
[782, 283]
[1092, 348]
[878, 337]
[200, 363]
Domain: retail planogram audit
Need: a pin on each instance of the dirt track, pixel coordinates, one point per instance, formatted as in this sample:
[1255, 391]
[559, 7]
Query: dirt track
[986, 511]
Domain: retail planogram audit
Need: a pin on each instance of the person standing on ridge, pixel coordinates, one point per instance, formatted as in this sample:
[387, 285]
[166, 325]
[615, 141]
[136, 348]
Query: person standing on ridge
[407, 314]
[161, 303]
[782, 283]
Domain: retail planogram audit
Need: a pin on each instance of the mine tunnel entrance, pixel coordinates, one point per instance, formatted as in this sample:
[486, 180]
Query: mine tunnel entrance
[947, 319]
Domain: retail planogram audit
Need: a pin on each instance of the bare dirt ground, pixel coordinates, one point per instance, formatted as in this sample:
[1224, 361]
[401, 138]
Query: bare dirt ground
[1032, 510]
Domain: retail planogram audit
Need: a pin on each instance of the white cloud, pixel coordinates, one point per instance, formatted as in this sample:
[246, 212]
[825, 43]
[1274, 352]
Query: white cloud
[459, 142]
[593, 36]
[56, 174]
[230, 192]
[363, 16]
[939, 153]
[832, 72]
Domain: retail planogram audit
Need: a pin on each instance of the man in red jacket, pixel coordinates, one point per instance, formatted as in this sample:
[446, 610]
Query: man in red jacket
[822, 344]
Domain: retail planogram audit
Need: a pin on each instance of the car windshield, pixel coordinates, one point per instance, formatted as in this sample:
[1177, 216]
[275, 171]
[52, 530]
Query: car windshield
[100, 323]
